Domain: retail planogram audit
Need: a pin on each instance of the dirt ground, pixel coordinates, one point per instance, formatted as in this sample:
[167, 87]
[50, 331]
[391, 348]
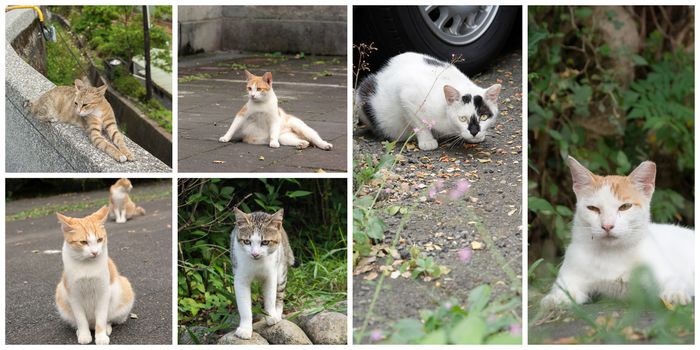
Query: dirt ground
[494, 169]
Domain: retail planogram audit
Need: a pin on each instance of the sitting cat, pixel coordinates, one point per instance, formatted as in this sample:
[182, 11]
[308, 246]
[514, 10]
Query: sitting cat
[261, 121]
[612, 234]
[417, 93]
[121, 207]
[86, 107]
[91, 293]
[259, 251]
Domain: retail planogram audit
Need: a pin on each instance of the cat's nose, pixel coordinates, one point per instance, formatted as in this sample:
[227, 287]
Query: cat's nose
[94, 254]
[608, 227]
[255, 255]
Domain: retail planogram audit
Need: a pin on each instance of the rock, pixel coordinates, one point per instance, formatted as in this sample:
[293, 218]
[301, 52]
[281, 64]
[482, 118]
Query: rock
[284, 332]
[326, 328]
[231, 339]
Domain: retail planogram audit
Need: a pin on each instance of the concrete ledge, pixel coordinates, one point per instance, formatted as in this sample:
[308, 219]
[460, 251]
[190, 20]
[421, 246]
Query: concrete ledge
[34, 146]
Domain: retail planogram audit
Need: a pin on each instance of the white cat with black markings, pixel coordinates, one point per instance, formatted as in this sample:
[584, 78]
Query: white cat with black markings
[418, 93]
[613, 234]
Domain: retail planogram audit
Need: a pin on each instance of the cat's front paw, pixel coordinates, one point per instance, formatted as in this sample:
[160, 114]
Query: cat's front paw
[272, 320]
[555, 300]
[244, 333]
[428, 145]
[302, 144]
[129, 155]
[275, 144]
[121, 220]
[84, 336]
[224, 139]
[120, 157]
[101, 339]
[676, 297]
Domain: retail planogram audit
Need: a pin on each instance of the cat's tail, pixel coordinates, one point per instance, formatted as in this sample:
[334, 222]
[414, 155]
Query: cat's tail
[363, 107]
[140, 211]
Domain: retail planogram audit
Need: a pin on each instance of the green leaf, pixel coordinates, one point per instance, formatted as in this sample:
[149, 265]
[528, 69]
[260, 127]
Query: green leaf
[539, 205]
[437, 337]
[297, 194]
[478, 298]
[639, 60]
[583, 12]
[504, 338]
[470, 330]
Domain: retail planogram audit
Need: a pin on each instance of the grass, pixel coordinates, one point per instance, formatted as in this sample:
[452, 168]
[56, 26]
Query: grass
[53, 208]
[193, 77]
[62, 68]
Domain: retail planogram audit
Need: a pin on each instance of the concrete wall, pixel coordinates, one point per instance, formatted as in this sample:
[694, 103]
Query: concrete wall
[33, 146]
[319, 30]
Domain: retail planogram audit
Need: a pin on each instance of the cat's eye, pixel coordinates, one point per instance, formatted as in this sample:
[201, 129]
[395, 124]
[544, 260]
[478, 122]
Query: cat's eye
[592, 208]
[249, 88]
[246, 241]
[484, 117]
[83, 242]
[463, 118]
[265, 242]
[625, 207]
[100, 240]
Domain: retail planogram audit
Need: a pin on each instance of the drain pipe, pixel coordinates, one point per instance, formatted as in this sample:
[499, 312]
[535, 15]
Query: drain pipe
[49, 33]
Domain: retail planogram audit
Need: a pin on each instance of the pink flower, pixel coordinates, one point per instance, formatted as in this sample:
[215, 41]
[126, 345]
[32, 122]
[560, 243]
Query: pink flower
[448, 305]
[459, 190]
[433, 191]
[376, 335]
[516, 329]
[465, 255]
[416, 130]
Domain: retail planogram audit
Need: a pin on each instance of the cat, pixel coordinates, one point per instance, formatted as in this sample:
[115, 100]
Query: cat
[121, 207]
[86, 107]
[418, 93]
[91, 294]
[261, 121]
[613, 234]
[259, 251]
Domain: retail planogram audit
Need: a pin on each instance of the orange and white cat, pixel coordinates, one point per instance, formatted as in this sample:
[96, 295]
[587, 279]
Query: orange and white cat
[91, 293]
[86, 107]
[261, 121]
[121, 207]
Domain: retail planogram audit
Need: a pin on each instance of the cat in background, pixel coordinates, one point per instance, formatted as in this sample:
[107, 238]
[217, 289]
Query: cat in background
[418, 93]
[261, 121]
[613, 234]
[259, 251]
[121, 207]
[91, 294]
[86, 107]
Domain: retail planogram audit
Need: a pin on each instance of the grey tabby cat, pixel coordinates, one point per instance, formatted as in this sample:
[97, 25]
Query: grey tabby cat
[259, 251]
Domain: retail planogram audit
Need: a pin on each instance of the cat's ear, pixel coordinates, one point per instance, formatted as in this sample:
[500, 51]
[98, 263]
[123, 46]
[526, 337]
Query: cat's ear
[100, 215]
[644, 177]
[581, 176]
[101, 90]
[78, 84]
[276, 219]
[65, 222]
[249, 75]
[451, 94]
[492, 93]
[267, 78]
[241, 217]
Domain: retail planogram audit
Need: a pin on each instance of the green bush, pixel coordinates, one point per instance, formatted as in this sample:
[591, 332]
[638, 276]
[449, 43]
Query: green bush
[579, 105]
[62, 67]
[130, 86]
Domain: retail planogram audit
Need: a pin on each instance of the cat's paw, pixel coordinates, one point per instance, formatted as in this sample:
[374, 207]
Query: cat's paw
[224, 139]
[272, 320]
[109, 329]
[244, 333]
[555, 300]
[121, 158]
[129, 155]
[275, 144]
[676, 297]
[326, 146]
[101, 339]
[428, 145]
[302, 144]
[121, 220]
[84, 337]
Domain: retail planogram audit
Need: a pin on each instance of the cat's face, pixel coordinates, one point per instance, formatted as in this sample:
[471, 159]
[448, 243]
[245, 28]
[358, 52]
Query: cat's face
[124, 183]
[87, 98]
[259, 88]
[474, 113]
[259, 233]
[613, 209]
[86, 238]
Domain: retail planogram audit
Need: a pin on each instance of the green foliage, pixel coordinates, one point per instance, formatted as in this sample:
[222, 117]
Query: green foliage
[314, 219]
[62, 68]
[161, 115]
[581, 103]
[420, 265]
[482, 321]
[128, 85]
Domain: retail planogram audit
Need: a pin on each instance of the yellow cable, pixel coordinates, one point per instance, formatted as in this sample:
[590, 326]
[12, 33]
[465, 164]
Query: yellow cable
[35, 8]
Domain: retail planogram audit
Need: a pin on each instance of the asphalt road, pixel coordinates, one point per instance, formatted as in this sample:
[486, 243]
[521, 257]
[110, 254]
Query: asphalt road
[141, 249]
[212, 91]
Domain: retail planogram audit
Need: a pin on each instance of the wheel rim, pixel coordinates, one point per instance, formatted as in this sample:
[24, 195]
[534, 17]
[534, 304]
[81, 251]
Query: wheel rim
[458, 25]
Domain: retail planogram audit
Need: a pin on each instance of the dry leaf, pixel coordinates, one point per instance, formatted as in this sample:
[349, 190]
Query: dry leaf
[261, 158]
[371, 276]
[219, 161]
[477, 245]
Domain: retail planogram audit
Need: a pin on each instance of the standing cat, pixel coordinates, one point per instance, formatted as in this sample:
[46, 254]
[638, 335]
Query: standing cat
[91, 293]
[261, 121]
[87, 107]
[259, 251]
[417, 93]
[612, 234]
[121, 207]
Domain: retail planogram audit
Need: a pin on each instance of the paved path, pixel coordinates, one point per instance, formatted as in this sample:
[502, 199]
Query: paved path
[141, 249]
[212, 90]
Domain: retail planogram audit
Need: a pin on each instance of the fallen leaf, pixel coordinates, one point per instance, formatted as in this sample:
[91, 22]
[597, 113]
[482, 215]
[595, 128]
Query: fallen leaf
[133, 315]
[476, 245]
[395, 274]
[219, 161]
[261, 158]
[371, 276]
[510, 213]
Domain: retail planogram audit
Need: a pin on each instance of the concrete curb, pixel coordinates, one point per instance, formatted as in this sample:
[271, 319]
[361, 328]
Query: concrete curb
[34, 146]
